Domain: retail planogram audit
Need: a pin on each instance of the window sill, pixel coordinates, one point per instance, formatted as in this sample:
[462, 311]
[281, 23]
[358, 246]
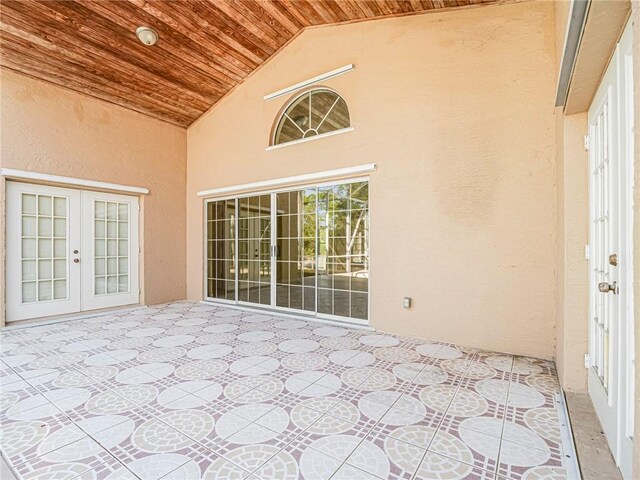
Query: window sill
[310, 139]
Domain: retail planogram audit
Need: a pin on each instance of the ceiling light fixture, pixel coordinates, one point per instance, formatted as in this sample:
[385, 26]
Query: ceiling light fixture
[148, 36]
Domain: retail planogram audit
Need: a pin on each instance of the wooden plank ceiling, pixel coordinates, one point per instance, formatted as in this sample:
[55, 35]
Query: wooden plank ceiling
[206, 47]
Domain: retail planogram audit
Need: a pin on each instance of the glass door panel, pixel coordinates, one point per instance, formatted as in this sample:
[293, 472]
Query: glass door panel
[343, 250]
[296, 249]
[111, 247]
[109, 250]
[43, 227]
[221, 248]
[254, 249]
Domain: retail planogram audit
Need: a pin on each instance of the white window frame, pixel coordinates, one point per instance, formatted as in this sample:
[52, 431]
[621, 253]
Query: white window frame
[272, 141]
[274, 308]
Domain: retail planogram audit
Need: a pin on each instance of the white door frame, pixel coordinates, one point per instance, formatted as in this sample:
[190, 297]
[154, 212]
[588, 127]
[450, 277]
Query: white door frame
[627, 352]
[612, 395]
[273, 307]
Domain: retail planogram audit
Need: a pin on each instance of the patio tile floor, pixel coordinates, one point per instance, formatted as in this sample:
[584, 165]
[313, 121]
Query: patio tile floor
[187, 391]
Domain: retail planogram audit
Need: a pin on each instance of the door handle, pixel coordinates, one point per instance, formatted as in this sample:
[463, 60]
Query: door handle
[605, 287]
[76, 260]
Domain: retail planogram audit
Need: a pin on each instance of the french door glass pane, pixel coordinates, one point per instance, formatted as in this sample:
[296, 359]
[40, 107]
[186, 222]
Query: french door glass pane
[343, 249]
[221, 247]
[296, 249]
[254, 249]
[44, 248]
[111, 247]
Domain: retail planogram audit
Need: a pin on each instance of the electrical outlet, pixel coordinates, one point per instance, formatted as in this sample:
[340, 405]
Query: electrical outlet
[586, 360]
[406, 302]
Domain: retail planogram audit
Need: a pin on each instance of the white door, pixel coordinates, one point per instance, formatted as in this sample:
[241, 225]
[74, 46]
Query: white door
[110, 247]
[69, 251]
[611, 354]
[42, 234]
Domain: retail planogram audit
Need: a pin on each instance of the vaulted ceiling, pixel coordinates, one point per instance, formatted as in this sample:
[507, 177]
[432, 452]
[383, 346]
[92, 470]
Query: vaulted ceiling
[206, 47]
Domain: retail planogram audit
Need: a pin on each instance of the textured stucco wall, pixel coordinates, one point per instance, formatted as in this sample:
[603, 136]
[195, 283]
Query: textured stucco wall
[456, 109]
[572, 326]
[559, 351]
[635, 16]
[52, 130]
[572, 276]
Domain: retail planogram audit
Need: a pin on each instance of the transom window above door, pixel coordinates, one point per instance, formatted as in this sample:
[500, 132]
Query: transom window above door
[316, 112]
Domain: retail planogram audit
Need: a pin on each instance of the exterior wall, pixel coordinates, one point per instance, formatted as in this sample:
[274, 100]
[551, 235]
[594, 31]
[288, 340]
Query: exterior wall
[463, 199]
[635, 17]
[559, 351]
[572, 193]
[51, 130]
[572, 327]
[561, 15]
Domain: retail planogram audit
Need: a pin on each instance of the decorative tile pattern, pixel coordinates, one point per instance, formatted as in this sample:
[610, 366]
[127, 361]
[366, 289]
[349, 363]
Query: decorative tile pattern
[187, 391]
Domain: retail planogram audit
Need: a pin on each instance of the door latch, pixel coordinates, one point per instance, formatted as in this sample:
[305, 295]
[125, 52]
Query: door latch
[605, 287]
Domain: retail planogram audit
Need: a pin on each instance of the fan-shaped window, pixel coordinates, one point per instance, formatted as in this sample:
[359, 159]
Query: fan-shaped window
[316, 112]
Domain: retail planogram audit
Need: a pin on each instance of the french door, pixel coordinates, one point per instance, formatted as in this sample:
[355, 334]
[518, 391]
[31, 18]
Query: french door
[69, 251]
[301, 250]
[611, 335]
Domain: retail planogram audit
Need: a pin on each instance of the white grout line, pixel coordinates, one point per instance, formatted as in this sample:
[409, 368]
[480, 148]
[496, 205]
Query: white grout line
[569, 454]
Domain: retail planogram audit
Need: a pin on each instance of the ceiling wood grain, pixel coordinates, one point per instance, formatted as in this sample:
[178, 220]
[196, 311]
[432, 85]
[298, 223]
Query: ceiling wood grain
[206, 47]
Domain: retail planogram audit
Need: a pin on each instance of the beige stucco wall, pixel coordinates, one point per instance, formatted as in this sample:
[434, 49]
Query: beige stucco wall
[52, 130]
[635, 16]
[456, 109]
[572, 327]
[572, 276]
[561, 13]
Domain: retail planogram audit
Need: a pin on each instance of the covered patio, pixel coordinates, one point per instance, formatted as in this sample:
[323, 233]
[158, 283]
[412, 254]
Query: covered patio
[319, 239]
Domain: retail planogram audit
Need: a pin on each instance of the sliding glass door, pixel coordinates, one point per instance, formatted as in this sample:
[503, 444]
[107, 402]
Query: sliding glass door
[221, 248]
[303, 250]
[343, 250]
[296, 249]
[254, 249]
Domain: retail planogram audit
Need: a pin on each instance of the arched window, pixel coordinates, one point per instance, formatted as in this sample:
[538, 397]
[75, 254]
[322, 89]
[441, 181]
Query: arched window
[316, 112]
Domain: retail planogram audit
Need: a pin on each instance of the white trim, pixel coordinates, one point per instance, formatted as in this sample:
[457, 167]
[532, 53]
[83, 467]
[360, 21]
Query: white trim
[572, 39]
[286, 188]
[79, 182]
[296, 179]
[310, 81]
[38, 322]
[309, 139]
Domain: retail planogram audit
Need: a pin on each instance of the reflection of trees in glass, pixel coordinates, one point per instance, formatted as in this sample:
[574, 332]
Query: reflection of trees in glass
[343, 222]
[317, 112]
[309, 224]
